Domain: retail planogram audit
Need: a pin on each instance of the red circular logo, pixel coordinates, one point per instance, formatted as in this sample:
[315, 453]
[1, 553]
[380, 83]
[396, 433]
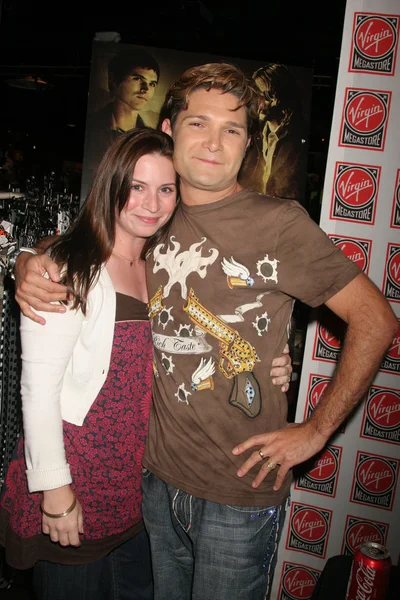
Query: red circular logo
[383, 409]
[355, 187]
[375, 37]
[309, 525]
[361, 532]
[375, 475]
[328, 338]
[365, 112]
[299, 583]
[394, 350]
[354, 250]
[393, 268]
[324, 467]
[316, 392]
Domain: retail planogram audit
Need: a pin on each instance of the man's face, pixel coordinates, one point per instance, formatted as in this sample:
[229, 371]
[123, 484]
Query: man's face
[210, 140]
[137, 88]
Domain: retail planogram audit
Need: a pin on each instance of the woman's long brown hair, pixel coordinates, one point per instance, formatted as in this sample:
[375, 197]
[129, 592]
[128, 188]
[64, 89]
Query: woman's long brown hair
[88, 244]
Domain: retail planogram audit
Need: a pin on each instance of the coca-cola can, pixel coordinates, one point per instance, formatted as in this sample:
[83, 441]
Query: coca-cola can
[370, 574]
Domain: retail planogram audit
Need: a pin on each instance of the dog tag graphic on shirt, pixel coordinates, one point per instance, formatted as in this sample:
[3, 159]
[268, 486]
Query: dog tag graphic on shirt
[246, 394]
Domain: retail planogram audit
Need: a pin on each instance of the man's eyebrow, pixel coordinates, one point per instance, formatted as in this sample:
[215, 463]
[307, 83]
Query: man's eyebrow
[206, 118]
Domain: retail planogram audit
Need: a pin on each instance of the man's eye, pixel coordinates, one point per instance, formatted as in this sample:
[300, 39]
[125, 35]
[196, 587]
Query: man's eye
[153, 84]
[196, 124]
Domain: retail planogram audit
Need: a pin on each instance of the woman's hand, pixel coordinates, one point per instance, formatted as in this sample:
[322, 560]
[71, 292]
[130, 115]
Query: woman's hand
[64, 530]
[281, 370]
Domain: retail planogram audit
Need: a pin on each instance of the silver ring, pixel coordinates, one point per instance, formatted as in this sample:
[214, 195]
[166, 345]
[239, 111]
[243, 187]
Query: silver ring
[261, 454]
[271, 466]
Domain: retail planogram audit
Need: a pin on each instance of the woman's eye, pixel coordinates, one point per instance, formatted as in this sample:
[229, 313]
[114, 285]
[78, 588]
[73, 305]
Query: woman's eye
[136, 187]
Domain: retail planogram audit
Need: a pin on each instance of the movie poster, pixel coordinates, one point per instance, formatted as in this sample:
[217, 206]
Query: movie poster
[128, 84]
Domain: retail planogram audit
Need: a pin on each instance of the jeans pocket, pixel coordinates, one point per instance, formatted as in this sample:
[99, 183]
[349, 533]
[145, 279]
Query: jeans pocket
[145, 473]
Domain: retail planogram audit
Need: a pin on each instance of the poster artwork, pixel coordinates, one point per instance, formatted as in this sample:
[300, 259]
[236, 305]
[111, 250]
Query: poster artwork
[355, 193]
[127, 89]
[359, 531]
[297, 582]
[364, 119]
[381, 418]
[395, 219]
[374, 43]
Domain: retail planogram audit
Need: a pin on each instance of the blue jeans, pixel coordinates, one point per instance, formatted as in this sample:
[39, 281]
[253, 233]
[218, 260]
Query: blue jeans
[206, 551]
[124, 574]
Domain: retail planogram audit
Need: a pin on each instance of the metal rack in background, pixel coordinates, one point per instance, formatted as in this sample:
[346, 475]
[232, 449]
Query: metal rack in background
[45, 208]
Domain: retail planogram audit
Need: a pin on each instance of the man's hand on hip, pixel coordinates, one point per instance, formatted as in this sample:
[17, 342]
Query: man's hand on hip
[281, 450]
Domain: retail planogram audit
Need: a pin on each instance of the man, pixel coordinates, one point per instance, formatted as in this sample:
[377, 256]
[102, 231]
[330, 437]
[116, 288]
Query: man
[133, 76]
[221, 287]
[276, 164]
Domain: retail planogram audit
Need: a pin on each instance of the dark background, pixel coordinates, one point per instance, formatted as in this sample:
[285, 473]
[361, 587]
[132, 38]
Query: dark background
[42, 124]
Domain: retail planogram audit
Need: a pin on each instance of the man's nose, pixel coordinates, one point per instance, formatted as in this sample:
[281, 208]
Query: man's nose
[212, 140]
[144, 85]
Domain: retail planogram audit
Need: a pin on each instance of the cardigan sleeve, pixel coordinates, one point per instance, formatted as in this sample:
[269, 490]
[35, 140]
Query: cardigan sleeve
[46, 352]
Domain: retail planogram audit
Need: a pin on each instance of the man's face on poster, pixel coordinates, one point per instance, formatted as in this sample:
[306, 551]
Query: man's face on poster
[137, 88]
[270, 110]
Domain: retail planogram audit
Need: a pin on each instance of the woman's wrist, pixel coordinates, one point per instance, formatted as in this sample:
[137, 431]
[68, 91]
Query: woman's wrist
[58, 500]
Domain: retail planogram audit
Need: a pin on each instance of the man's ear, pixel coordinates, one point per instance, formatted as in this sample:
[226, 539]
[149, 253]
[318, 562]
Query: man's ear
[166, 127]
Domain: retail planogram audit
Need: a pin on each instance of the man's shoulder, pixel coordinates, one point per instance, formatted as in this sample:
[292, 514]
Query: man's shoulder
[266, 202]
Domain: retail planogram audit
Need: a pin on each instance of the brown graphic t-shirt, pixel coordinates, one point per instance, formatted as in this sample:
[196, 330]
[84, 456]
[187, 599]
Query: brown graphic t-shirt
[221, 293]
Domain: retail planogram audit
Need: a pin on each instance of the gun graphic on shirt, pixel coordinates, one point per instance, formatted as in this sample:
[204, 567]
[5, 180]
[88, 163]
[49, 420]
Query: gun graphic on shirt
[237, 354]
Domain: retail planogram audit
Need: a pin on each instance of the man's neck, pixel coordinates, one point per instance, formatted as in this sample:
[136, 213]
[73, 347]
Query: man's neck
[125, 118]
[192, 196]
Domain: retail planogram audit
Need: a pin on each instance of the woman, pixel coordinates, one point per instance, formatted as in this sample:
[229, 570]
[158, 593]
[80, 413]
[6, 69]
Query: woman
[86, 391]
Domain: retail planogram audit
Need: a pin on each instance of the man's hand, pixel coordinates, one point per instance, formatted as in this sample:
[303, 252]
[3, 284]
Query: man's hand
[36, 281]
[285, 448]
[282, 369]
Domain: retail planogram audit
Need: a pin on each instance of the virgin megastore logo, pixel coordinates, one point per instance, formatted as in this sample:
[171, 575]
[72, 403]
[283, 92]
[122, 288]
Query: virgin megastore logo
[328, 336]
[355, 192]
[381, 419]
[356, 249]
[358, 531]
[364, 119]
[308, 529]
[391, 360]
[374, 43]
[374, 480]
[322, 475]
[316, 388]
[391, 281]
[395, 220]
[297, 582]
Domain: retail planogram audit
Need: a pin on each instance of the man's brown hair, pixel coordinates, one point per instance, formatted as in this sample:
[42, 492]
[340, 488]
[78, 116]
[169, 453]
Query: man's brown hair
[221, 76]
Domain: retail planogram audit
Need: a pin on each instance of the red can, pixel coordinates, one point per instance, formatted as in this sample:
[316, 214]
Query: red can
[370, 575]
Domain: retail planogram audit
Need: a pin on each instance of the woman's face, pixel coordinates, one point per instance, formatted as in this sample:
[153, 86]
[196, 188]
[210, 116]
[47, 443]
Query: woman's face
[152, 198]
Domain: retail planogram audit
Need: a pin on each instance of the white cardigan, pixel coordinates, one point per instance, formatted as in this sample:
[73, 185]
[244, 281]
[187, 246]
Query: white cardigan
[64, 365]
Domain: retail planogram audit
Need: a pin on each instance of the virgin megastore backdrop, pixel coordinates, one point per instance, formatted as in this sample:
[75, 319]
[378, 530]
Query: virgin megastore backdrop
[349, 494]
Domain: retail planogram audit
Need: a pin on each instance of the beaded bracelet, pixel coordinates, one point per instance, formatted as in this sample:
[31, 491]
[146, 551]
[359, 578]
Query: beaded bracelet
[60, 515]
